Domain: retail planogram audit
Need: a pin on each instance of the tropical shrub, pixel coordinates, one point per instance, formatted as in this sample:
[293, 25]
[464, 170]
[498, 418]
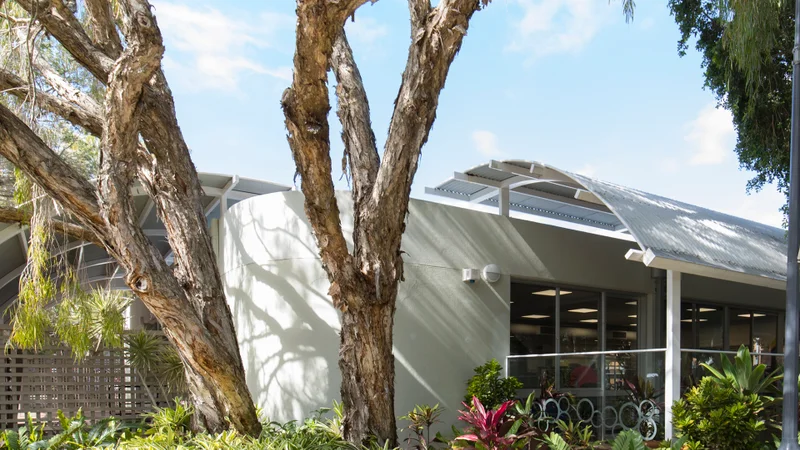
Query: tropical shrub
[628, 440]
[421, 419]
[743, 375]
[489, 429]
[576, 434]
[719, 416]
[75, 434]
[490, 387]
[554, 441]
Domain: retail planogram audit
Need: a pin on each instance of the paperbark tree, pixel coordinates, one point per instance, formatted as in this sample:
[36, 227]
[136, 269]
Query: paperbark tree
[364, 283]
[140, 140]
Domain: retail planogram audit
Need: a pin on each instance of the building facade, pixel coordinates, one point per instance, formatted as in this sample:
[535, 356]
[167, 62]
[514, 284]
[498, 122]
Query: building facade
[618, 308]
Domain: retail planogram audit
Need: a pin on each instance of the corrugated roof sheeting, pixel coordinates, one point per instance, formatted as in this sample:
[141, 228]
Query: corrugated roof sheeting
[667, 228]
[689, 233]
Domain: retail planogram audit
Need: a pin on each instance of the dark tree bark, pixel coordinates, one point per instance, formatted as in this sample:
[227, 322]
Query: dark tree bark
[188, 299]
[364, 284]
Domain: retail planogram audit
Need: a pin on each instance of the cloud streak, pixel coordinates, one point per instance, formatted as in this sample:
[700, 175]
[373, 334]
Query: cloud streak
[711, 136]
[208, 49]
[486, 143]
[549, 27]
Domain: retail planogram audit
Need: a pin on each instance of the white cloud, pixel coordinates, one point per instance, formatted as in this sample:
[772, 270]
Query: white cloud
[711, 136]
[763, 206]
[365, 29]
[559, 26]
[209, 49]
[486, 143]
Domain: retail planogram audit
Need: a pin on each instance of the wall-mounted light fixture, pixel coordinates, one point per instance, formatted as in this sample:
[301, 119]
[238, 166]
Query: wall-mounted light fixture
[491, 273]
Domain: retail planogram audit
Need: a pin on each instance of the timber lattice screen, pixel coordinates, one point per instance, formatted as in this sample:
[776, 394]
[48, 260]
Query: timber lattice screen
[44, 382]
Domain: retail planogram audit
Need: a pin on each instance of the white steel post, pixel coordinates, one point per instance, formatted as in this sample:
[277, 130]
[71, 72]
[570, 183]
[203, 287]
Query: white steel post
[672, 391]
[503, 199]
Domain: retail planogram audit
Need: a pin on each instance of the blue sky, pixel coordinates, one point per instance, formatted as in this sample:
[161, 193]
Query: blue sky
[564, 82]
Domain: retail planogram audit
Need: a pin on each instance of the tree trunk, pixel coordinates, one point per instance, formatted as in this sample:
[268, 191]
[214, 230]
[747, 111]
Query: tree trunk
[367, 365]
[219, 394]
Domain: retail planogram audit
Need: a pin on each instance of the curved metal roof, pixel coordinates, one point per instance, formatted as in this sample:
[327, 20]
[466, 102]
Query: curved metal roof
[670, 234]
[95, 265]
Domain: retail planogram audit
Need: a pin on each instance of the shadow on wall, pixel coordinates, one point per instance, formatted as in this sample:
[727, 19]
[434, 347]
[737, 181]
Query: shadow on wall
[288, 328]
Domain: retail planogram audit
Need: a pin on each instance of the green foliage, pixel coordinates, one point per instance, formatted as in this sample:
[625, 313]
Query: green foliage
[554, 441]
[490, 387]
[719, 416]
[576, 434]
[177, 419]
[421, 419]
[628, 440]
[75, 434]
[747, 60]
[743, 375]
[151, 354]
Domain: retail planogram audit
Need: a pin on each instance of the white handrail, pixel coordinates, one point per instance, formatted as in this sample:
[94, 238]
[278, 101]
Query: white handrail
[606, 352]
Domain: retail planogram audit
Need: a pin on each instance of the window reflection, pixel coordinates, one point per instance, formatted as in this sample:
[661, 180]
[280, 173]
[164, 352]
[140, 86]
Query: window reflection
[622, 320]
[710, 326]
[580, 321]
[532, 319]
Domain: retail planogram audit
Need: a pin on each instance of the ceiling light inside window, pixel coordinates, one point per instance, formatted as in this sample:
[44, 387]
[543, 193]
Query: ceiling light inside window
[535, 316]
[551, 292]
[582, 310]
[589, 320]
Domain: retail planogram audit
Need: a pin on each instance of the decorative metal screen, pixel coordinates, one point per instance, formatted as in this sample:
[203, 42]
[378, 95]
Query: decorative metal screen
[44, 382]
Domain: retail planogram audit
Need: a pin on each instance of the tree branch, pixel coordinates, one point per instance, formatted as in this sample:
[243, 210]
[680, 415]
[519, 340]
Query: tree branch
[16, 215]
[65, 27]
[357, 134]
[306, 106]
[103, 28]
[84, 114]
[23, 148]
[433, 48]
[419, 10]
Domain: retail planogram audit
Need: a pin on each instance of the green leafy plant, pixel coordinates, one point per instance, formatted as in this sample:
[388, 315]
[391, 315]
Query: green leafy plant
[575, 433]
[628, 440]
[490, 387]
[554, 441]
[421, 419]
[743, 375]
[719, 416]
[489, 429]
[175, 420]
[28, 437]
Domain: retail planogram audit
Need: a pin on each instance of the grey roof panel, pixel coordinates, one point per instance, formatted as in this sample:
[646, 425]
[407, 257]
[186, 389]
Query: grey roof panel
[666, 228]
[693, 234]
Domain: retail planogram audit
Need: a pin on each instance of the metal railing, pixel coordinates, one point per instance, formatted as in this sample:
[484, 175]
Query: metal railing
[612, 390]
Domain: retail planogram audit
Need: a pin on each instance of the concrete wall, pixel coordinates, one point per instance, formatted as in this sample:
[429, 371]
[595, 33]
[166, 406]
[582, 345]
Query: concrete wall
[288, 328]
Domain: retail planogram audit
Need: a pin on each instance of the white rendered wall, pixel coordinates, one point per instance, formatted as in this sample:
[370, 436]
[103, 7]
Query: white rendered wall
[288, 328]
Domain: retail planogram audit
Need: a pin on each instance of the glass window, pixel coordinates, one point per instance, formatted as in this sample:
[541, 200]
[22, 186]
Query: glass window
[533, 323]
[710, 321]
[687, 327]
[580, 320]
[739, 333]
[622, 319]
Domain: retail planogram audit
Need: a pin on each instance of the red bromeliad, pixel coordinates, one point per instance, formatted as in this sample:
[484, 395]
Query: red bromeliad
[490, 429]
